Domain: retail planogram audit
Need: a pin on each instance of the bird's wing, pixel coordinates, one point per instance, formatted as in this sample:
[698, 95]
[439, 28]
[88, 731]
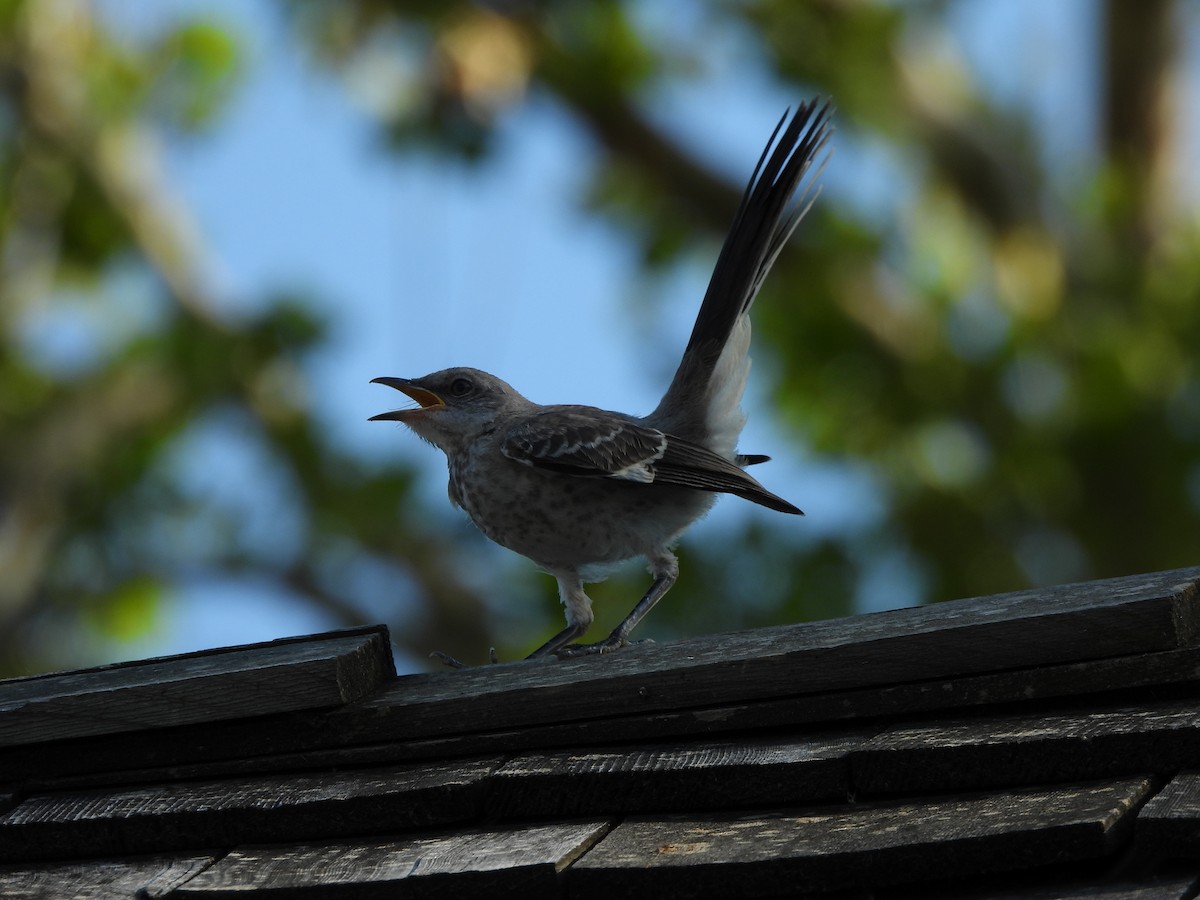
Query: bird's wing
[692, 465]
[593, 443]
[580, 440]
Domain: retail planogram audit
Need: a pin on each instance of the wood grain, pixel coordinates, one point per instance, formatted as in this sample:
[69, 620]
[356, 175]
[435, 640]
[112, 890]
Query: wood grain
[186, 815]
[1071, 623]
[703, 775]
[306, 740]
[825, 848]
[511, 862]
[1167, 885]
[1169, 824]
[146, 878]
[557, 705]
[1120, 678]
[1030, 748]
[316, 672]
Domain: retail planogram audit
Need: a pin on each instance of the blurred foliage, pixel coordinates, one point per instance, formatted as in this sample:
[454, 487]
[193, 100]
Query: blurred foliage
[1012, 361]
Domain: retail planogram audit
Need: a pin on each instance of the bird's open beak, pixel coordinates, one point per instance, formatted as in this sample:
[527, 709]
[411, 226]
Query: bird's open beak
[427, 399]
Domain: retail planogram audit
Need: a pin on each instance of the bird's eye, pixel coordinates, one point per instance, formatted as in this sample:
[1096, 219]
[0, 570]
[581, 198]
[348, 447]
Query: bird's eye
[460, 387]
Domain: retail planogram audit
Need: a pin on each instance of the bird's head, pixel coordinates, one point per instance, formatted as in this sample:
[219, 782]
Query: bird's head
[454, 405]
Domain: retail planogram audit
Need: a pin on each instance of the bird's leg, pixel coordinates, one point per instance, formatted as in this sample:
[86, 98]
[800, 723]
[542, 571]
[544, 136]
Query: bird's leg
[665, 568]
[578, 607]
[555, 644]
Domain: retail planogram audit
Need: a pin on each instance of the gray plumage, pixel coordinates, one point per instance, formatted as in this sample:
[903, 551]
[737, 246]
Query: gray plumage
[579, 489]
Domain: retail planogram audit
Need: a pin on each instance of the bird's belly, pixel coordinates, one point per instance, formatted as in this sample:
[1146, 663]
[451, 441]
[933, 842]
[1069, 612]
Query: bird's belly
[563, 521]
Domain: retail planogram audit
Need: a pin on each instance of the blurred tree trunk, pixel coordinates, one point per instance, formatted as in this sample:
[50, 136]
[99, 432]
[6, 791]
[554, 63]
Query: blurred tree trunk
[1139, 56]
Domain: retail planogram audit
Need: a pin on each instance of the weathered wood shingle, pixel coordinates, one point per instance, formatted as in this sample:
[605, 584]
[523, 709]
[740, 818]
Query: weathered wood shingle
[1026, 629]
[1046, 741]
[512, 862]
[822, 849]
[192, 814]
[143, 878]
[1170, 823]
[221, 685]
[700, 775]
[1030, 747]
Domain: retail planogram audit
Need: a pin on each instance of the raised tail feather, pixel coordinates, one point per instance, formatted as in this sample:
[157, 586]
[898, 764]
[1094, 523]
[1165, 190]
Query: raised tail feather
[702, 402]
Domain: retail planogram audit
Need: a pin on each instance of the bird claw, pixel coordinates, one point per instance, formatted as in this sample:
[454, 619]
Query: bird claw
[571, 651]
[608, 645]
[455, 663]
[447, 660]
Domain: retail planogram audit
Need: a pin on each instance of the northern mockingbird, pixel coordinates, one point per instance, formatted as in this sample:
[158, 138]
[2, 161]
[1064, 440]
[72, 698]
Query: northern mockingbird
[579, 489]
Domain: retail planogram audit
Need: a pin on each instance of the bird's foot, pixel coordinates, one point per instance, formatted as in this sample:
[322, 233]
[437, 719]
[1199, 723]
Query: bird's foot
[455, 663]
[608, 645]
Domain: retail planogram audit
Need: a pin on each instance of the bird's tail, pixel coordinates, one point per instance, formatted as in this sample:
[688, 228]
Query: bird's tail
[703, 401]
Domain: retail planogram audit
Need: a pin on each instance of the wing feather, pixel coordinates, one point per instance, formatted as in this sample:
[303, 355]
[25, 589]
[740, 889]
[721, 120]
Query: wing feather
[580, 440]
[692, 465]
[593, 443]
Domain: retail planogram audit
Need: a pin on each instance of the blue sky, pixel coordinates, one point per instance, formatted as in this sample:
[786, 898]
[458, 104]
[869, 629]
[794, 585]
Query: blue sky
[424, 263]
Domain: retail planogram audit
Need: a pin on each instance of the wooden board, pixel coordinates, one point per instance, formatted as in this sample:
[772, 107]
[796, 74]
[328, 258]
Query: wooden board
[1095, 620]
[828, 848]
[1167, 885]
[515, 714]
[238, 682]
[1030, 748]
[1179, 669]
[145, 877]
[516, 862]
[188, 815]
[306, 740]
[1170, 823]
[696, 776]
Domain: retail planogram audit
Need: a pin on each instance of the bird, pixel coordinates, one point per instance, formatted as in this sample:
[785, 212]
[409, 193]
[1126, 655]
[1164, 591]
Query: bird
[579, 490]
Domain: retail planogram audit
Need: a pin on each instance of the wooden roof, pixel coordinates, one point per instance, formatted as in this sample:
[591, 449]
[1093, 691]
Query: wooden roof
[1035, 744]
